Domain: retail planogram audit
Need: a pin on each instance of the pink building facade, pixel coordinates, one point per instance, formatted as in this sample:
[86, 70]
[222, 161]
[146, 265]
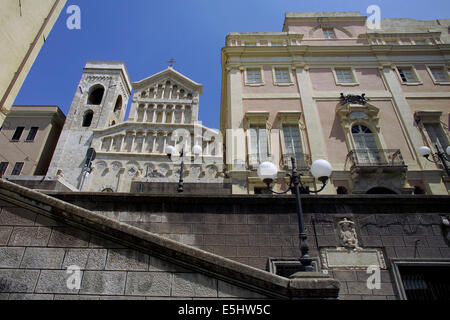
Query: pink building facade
[328, 87]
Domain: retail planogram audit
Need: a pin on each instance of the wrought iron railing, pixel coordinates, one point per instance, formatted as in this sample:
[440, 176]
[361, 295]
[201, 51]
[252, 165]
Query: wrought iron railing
[302, 161]
[375, 157]
[254, 160]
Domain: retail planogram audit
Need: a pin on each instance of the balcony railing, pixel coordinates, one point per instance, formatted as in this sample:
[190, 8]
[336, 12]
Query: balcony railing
[375, 157]
[302, 161]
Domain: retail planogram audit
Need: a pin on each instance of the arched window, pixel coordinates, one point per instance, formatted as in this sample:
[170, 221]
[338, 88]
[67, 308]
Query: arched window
[113, 123]
[96, 95]
[366, 146]
[87, 118]
[108, 190]
[118, 106]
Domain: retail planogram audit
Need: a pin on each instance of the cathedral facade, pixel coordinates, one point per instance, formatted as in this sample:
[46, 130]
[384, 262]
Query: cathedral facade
[101, 152]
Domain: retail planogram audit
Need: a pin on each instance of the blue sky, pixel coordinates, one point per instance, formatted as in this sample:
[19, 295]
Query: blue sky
[146, 33]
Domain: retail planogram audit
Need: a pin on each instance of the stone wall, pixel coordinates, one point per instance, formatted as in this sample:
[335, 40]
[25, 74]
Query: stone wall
[35, 252]
[41, 236]
[251, 229]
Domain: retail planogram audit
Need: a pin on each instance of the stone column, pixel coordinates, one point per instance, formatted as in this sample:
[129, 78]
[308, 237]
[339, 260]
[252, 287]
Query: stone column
[122, 142]
[183, 109]
[151, 111]
[312, 120]
[413, 136]
[144, 117]
[164, 141]
[164, 115]
[155, 139]
[146, 144]
[170, 92]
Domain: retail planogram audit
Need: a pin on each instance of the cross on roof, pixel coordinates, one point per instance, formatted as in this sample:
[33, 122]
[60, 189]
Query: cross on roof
[171, 61]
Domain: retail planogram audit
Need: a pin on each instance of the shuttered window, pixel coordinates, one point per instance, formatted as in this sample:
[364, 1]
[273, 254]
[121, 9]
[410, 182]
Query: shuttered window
[282, 75]
[258, 149]
[254, 76]
[293, 144]
[344, 75]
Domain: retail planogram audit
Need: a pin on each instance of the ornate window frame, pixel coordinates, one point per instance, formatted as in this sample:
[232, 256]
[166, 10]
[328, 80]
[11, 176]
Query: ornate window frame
[414, 71]
[291, 118]
[366, 115]
[336, 79]
[261, 70]
[432, 117]
[444, 68]
[259, 118]
[274, 78]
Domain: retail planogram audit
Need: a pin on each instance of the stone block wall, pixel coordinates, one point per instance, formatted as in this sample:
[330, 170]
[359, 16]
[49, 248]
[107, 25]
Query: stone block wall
[35, 252]
[252, 229]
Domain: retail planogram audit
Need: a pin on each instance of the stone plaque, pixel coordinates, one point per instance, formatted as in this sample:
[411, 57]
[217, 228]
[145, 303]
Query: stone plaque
[342, 258]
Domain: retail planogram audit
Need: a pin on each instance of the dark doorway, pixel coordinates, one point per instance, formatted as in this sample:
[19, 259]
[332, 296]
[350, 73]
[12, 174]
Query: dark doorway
[380, 190]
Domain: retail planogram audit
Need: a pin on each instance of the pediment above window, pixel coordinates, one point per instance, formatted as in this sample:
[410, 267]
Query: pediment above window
[353, 113]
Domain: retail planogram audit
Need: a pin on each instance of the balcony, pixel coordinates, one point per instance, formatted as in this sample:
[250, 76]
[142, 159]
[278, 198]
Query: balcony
[374, 168]
[302, 161]
[375, 158]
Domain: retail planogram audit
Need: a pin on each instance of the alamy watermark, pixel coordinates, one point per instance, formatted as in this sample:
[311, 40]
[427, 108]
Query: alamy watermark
[374, 18]
[374, 280]
[73, 22]
[73, 282]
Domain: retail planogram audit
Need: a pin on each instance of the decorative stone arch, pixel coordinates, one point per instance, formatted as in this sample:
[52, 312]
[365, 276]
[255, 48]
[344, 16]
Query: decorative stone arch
[116, 165]
[212, 171]
[149, 169]
[107, 188]
[329, 26]
[96, 94]
[133, 169]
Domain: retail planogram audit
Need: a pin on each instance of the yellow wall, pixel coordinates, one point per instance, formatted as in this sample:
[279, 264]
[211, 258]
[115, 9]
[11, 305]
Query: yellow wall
[22, 32]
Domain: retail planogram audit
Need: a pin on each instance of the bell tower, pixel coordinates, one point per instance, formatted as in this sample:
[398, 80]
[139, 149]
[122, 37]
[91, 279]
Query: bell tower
[100, 101]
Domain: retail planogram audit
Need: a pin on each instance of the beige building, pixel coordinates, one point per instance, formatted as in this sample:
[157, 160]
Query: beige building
[28, 139]
[24, 26]
[328, 87]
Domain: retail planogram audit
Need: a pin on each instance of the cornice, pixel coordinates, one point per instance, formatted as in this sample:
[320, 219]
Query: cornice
[348, 50]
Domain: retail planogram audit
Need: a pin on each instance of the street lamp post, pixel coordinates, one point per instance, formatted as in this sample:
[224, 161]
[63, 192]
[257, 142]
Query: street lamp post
[320, 169]
[170, 150]
[426, 152]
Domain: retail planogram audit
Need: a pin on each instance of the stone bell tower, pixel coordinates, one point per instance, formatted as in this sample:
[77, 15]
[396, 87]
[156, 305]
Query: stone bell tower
[100, 101]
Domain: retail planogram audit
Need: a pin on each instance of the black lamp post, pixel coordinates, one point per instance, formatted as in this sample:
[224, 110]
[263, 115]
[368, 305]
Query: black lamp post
[170, 150]
[320, 169]
[441, 156]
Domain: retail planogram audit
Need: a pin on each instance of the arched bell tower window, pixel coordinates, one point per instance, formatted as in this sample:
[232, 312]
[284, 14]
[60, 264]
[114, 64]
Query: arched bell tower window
[87, 118]
[118, 106]
[96, 95]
